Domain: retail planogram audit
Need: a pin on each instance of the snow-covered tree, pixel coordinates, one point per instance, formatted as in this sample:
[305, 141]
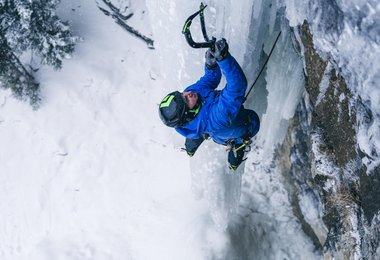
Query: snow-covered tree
[30, 25]
[13, 75]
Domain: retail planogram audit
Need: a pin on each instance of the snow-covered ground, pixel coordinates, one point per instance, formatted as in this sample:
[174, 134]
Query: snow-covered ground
[93, 174]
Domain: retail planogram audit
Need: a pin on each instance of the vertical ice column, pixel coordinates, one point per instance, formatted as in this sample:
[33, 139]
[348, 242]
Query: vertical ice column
[285, 85]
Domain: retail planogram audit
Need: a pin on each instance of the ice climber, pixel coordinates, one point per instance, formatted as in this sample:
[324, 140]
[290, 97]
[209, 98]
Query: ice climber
[201, 111]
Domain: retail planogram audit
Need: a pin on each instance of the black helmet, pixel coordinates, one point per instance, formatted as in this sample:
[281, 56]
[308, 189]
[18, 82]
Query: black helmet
[172, 109]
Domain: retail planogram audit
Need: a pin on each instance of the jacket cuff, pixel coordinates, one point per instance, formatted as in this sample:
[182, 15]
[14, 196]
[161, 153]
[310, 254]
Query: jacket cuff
[225, 58]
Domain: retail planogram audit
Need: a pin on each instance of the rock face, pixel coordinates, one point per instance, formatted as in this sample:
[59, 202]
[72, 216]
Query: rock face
[321, 163]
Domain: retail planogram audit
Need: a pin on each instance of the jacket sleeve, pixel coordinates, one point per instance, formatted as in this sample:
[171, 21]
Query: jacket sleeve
[188, 133]
[232, 96]
[209, 81]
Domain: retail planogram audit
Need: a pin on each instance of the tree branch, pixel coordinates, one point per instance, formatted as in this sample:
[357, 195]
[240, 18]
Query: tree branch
[121, 20]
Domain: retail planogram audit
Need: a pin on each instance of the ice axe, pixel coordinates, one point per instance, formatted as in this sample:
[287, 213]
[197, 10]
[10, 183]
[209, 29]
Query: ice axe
[186, 31]
[211, 43]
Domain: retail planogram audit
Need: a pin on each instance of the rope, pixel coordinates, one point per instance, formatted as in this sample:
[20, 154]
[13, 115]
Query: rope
[262, 68]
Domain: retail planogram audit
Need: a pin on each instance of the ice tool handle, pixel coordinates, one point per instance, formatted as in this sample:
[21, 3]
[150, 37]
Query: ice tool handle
[186, 31]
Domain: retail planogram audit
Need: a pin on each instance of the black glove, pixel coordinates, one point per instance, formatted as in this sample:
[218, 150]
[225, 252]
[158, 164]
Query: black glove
[221, 49]
[192, 145]
[210, 60]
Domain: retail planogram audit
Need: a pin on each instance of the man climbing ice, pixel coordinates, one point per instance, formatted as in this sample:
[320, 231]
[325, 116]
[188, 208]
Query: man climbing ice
[202, 112]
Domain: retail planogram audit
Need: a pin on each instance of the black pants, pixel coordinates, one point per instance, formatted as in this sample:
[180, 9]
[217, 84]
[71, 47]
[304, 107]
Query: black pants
[235, 158]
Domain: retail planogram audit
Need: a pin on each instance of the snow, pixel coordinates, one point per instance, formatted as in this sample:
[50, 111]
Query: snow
[93, 174]
[324, 84]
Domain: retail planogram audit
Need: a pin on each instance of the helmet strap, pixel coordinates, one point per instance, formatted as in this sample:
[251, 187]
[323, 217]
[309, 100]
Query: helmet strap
[190, 114]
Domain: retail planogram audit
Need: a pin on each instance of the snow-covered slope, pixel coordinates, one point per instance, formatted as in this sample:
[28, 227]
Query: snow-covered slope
[92, 174]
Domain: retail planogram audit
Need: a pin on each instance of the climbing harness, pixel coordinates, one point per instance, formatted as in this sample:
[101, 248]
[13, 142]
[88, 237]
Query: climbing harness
[246, 145]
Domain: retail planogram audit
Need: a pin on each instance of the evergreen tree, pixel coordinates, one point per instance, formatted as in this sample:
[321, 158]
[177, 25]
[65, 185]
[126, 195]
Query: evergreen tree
[13, 75]
[30, 25]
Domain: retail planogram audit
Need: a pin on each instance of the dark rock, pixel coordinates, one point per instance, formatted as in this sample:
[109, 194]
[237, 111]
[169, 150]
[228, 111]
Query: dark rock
[320, 158]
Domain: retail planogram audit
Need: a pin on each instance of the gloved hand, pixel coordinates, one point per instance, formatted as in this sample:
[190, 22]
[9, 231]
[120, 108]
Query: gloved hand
[221, 49]
[210, 60]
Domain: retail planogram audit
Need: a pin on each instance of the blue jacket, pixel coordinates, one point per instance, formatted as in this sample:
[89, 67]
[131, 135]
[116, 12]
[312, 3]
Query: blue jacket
[222, 115]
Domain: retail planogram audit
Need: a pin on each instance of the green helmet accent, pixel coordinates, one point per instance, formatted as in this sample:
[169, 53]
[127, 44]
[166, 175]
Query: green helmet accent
[196, 109]
[172, 109]
[166, 101]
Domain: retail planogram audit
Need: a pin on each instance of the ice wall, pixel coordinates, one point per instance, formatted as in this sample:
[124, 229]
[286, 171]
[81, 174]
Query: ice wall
[182, 64]
[250, 28]
[285, 85]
